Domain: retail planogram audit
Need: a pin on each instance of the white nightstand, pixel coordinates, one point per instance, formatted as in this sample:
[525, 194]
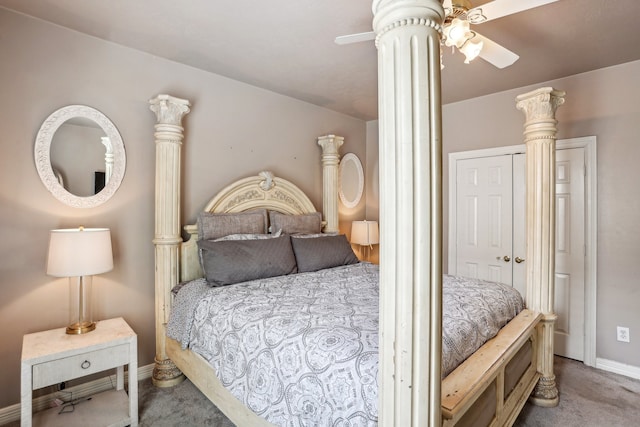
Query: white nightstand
[52, 357]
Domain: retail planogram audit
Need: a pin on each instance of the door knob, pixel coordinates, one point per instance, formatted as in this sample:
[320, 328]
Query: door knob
[506, 258]
[519, 260]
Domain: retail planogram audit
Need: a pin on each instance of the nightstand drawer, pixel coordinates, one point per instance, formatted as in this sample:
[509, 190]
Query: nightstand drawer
[59, 370]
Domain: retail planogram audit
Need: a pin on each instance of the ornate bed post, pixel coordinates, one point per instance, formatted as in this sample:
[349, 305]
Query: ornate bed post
[169, 134]
[330, 160]
[539, 107]
[408, 41]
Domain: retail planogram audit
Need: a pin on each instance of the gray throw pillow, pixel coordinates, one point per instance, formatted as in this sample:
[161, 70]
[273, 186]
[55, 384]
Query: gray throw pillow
[233, 261]
[314, 254]
[310, 223]
[216, 225]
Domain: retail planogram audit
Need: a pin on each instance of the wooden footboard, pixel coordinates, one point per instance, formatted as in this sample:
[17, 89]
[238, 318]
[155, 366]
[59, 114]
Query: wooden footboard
[491, 387]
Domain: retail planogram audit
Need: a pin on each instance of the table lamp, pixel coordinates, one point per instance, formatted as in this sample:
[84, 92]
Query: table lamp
[79, 253]
[365, 233]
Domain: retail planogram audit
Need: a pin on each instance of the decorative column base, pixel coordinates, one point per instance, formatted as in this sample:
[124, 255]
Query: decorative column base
[546, 393]
[166, 374]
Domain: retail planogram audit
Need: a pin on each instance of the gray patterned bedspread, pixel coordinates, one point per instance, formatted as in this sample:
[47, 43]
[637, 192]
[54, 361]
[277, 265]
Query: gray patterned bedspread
[302, 349]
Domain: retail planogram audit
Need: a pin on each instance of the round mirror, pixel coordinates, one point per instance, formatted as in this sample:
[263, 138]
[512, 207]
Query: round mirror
[80, 156]
[351, 180]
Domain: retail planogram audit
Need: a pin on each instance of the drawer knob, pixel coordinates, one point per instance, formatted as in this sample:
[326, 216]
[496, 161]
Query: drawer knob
[86, 364]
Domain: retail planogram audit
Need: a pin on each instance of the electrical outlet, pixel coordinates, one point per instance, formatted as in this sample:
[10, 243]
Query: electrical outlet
[623, 334]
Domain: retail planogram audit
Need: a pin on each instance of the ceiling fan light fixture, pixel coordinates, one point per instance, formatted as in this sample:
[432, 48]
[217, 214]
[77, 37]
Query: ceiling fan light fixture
[471, 50]
[457, 33]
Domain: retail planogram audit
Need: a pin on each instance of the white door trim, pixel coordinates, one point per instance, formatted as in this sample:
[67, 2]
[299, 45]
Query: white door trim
[591, 223]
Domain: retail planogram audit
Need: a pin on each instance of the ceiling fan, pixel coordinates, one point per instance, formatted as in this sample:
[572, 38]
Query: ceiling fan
[459, 16]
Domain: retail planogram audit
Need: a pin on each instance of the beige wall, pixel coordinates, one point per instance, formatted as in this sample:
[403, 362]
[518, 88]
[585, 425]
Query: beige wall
[603, 103]
[234, 130]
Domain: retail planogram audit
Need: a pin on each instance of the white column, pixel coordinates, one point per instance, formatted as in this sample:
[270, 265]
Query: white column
[330, 161]
[408, 41]
[539, 107]
[168, 135]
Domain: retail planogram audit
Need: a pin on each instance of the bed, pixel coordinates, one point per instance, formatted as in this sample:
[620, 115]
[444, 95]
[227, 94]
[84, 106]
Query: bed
[488, 388]
[492, 385]
[303, 347]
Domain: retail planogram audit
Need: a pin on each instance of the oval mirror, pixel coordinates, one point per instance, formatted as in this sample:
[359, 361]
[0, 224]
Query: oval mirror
[351, 180]
[80, 156]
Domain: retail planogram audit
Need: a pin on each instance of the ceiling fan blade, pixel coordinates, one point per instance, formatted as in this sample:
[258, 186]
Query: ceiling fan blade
[355, 38]
[494, 53]
[499, 8]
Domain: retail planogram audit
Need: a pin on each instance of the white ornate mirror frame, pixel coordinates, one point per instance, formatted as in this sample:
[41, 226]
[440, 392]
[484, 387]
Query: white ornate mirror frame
[351, 192]
[42, 152]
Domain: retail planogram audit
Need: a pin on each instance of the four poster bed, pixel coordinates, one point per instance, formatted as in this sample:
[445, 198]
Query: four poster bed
[404, 376]
[488, 388]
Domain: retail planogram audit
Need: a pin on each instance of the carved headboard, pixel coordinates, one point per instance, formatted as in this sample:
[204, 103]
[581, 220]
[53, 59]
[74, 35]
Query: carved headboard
[261, 191]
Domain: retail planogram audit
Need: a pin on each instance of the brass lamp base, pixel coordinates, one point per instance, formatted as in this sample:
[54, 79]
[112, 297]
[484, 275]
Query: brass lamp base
[80, 328]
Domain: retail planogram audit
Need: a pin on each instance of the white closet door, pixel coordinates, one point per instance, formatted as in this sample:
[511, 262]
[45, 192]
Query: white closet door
[570, 253]
[484, 218]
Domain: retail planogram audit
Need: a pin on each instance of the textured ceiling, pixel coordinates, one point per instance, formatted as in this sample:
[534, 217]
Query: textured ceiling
[287, 45]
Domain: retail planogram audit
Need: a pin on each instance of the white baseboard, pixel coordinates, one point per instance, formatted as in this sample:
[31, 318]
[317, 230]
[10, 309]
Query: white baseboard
[618, 368]
[12, 413]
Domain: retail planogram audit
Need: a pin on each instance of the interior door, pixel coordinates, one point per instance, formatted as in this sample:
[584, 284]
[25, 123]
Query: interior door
[484, 218]
[570, 253]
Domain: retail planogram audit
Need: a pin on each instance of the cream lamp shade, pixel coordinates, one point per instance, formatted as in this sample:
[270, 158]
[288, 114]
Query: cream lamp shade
[78, 254]
[365, 233]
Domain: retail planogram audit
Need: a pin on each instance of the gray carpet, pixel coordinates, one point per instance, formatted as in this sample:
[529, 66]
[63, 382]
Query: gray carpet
[182, 405]
[589, 398]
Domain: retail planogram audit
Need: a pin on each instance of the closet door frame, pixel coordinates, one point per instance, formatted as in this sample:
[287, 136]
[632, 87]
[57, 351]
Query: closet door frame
[591, 220]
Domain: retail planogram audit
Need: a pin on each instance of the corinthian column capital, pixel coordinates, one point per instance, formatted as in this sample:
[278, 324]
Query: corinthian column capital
[330, 146]
[539, 107]
[169, 110]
